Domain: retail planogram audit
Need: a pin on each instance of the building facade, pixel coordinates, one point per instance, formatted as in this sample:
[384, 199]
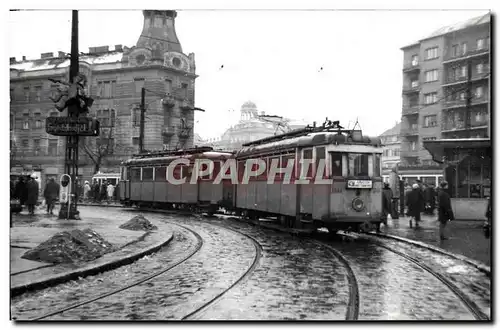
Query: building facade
[435, 86]
[115, 79]
[446, 110]
[251, 126]
[391, 140]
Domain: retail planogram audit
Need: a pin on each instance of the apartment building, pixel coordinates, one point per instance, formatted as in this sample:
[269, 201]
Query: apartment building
[436, 83]
[115, 79]
[392, 148]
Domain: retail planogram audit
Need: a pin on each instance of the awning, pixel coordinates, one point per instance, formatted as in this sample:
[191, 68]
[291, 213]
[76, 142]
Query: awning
[437, 148]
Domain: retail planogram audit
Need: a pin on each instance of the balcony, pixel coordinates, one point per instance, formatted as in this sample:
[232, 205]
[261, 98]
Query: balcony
[450, 81]
[475, 53]
[413, 88]
[409, 153]
[411, 66]
[168, 131]
[410, 110]
[453, 104]
[186, 105]
[409, 131]
[179, 93]
[168, 101]
[458, 126]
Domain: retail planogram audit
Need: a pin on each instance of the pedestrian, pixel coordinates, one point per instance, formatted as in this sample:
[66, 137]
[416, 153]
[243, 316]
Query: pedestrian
[97, 192]
[487, 224]
[430, 199]
[32, 194]
[415, 203]
[86, 191]
[386, 202]
[51, 194]
[104, 191]
[445, 212]
[21, 191]
[110, 190]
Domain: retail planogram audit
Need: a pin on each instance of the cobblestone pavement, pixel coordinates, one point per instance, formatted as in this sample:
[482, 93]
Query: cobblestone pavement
[295, 279]
[465, 237]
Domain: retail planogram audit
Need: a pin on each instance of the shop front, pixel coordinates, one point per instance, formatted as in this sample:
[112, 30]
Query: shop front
[467, 169]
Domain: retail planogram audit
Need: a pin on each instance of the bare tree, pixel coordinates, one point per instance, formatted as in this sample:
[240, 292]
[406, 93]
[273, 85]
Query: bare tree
[99, 148]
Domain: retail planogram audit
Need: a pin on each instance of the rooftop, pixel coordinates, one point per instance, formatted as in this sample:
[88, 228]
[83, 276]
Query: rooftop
[392, 131]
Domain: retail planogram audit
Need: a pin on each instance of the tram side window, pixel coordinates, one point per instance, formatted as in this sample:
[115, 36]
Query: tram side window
[336, 164]
[376, 165]
[320, 156]
[147, 174]
[358, 165]
[306, 154]
[160, 173]
[135, 174]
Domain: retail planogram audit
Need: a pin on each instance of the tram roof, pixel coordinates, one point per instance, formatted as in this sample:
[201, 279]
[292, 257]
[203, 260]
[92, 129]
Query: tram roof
[159, 159]
[308, 140]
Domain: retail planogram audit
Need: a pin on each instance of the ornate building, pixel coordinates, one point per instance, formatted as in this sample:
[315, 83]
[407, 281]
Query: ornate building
[115, 79]
[252, 126]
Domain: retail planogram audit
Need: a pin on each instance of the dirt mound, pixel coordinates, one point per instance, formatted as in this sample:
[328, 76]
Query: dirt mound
[69, 247]
[138, 223]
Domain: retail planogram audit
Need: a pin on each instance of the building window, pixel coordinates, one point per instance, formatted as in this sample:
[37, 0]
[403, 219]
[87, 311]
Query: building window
[106, 117]
[479, 68]
[413, 146]
[397, 152]
[431, 75]
[464, 48]
[430, 138]
[430, 98]
[479, 92]
[135, 141]
[455, 50]
[52, 149]
[431, 53]
[430, 121]
[414, 60]
[27, 94]
[139, 84]
[136, 117]
[480, 43]
[38, 124]
[26, 121]
[461, 96]
[414, 84]
[106, 89]
[184, 87]
[464, 71]
[168, 86]
[25, 144]
[106, 144]
[38, 93]
[36, 147]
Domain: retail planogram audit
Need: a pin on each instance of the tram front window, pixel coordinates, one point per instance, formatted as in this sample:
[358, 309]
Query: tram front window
[358, 164]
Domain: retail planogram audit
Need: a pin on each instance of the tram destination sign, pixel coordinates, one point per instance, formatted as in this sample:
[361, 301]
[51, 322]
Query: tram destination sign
[359, 184]
[66, 126]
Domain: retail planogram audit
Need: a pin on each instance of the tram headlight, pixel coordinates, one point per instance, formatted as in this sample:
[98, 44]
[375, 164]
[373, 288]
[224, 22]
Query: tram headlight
[357, 204]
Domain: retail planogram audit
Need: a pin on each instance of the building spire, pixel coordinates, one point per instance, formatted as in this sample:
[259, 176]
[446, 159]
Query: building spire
[158, 32]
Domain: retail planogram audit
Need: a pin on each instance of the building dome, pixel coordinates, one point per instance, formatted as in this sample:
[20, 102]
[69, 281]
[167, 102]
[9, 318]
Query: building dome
[249, 105]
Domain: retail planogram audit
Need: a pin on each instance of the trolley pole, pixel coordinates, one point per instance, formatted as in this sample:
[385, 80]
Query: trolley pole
[141, 128]
[69, 209]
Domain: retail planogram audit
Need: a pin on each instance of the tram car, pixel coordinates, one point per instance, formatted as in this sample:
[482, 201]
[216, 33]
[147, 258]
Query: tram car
[345, 193]
[144, 181]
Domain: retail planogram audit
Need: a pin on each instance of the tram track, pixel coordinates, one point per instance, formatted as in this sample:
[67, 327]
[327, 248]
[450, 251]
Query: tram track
[197, 247]
[471, 305]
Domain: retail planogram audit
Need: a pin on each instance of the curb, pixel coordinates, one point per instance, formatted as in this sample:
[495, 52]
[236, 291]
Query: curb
[482, 267]
[89, 270]
[100, 205]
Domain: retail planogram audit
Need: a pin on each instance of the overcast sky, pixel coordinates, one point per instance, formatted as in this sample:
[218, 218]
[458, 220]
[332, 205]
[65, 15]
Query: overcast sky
[273, 58]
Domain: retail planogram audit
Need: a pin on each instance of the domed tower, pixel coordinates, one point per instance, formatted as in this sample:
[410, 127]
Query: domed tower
[248, 110]
[158, 32]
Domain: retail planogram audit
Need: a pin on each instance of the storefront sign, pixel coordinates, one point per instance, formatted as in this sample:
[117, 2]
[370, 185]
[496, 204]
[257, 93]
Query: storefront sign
[359, 184]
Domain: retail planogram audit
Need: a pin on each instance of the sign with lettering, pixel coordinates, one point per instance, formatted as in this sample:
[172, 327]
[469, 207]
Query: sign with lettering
[65, 126]
[359, 184]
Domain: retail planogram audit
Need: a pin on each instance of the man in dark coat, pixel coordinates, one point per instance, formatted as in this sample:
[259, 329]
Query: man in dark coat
[415, 204]
[445, 212]
[32, 196]
[430, 200]
[386, 202]
[51, 194]
[97, 192]
[20, 191]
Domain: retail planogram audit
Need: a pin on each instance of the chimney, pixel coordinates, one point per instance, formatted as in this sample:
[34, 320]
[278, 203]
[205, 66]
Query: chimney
[47, 55]
[118, 48]
[24, 58]
[61, 54]
[102, 49]
[12, 60]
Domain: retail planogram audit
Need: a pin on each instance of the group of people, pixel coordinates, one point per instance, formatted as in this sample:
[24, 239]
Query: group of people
[99, 192]
[26, 190]
[420, 198]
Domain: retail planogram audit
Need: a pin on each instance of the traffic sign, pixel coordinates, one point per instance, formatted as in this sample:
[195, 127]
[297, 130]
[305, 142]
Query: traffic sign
[67, 126]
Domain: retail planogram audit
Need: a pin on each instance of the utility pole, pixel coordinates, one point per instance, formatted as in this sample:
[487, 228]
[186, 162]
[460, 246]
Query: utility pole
[71, 155]
[468, 99]
[141, 128]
